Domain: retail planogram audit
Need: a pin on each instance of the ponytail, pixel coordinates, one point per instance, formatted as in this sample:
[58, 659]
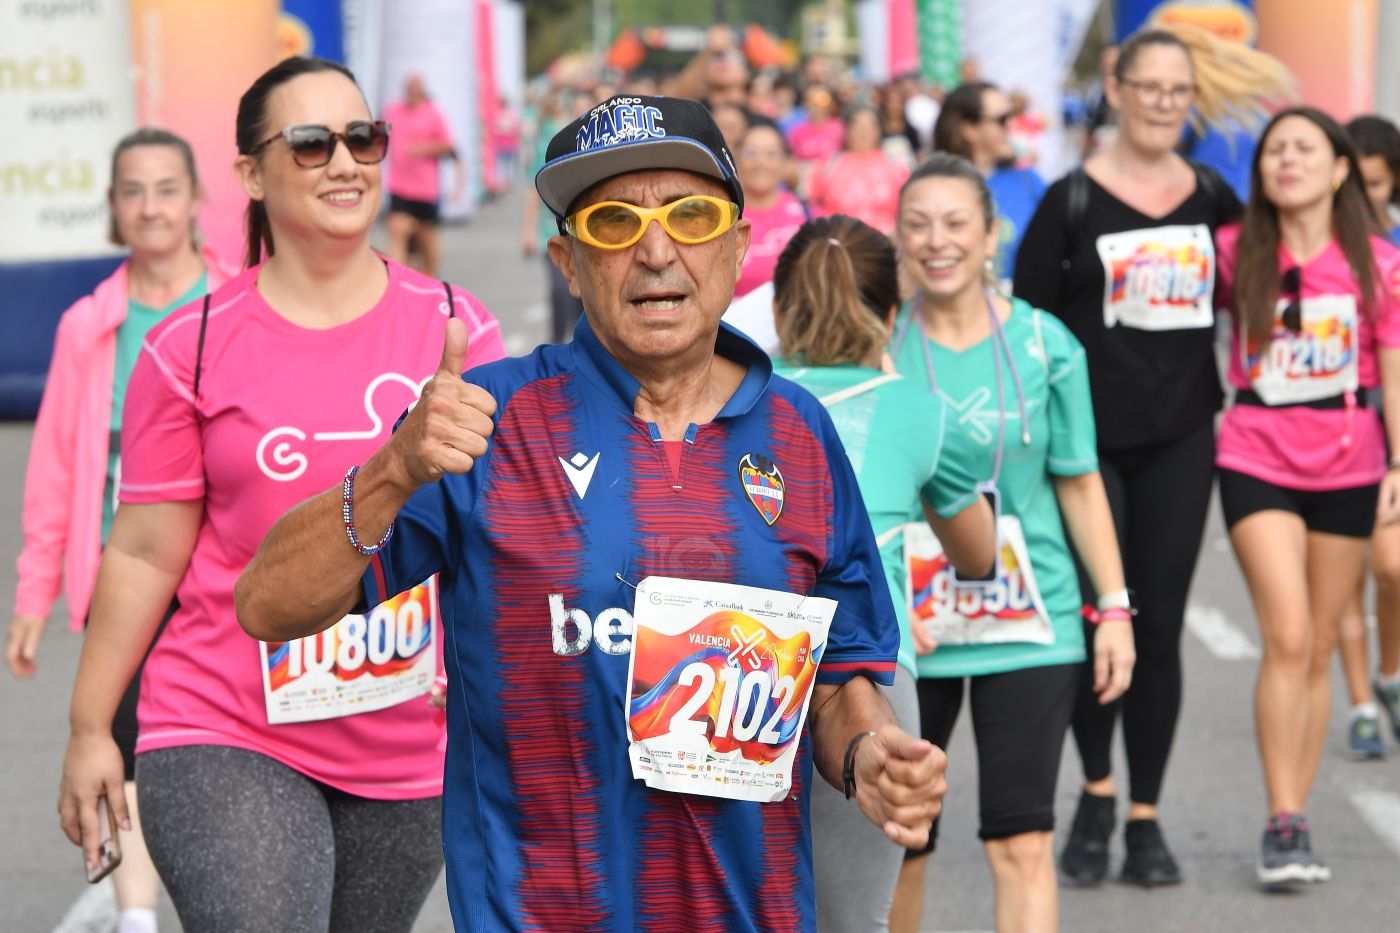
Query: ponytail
[834, 285]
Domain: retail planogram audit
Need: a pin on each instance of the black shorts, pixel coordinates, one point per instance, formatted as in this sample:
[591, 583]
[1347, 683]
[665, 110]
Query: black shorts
[124, 729]
[1019, 720]
[1349, 512]
[421, 211]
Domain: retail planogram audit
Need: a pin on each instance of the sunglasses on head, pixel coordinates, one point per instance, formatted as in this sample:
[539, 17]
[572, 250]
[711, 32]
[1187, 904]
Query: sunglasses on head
[1291, 287]
[313, 146]
[697, 218]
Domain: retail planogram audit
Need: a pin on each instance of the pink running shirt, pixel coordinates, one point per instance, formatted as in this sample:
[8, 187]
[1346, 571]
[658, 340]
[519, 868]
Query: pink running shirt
[282, 412]
[1295, 446]
[812, 142]
[863, 185]
[412, 176]
[773, 226]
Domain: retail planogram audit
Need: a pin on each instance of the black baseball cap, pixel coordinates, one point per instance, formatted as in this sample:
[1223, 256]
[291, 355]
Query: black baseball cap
[630, 133]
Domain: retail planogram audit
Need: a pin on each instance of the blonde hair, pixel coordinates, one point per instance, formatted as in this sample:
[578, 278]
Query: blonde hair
[834, 283]
[1234, 82]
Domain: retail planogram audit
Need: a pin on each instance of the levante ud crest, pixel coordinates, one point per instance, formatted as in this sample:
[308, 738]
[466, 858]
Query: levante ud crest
[763, 484]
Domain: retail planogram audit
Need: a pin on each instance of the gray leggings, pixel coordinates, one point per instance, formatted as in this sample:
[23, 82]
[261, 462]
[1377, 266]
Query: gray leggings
[856, 865]
[245, 844]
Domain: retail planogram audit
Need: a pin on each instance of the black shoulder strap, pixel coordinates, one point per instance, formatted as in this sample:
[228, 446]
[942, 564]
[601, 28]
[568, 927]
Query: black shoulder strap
[1076, 208]
[451, 302]
[199, 348]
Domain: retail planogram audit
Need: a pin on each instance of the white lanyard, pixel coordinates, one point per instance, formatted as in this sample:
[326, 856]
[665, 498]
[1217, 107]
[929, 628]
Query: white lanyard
[1000, 344]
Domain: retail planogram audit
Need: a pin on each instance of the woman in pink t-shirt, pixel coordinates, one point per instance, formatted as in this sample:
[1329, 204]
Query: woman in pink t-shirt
[1302, 454]
[863, 181]
[291, 786]
[773, 210]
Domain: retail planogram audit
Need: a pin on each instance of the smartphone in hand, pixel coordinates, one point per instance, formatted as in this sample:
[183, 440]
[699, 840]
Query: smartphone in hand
[109, 848]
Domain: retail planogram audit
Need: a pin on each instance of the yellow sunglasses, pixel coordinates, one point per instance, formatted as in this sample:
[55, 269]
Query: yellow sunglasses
[696, 218]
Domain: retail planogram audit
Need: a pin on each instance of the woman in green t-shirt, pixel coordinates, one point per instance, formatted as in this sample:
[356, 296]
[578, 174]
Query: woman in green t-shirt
[836, 291]
[1014, 379]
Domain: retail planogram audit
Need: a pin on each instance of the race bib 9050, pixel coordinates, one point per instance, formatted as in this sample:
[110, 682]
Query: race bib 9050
[1006, 609]
[361, 664]
[720, 677]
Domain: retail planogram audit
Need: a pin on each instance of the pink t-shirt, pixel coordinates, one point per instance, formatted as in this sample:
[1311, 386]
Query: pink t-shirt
[1296, 446]
[864, 185]
[414, 176]
[812, 142]
[773, 226]
[282, 412]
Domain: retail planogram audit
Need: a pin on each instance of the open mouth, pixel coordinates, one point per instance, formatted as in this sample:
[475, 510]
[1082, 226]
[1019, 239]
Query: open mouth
[343, 197]
[660, 302]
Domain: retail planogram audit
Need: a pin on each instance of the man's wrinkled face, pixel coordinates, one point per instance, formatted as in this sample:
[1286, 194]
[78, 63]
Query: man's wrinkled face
[656, 299]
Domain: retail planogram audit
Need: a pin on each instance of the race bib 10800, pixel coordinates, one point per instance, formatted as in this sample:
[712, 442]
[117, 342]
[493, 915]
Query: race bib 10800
[361, 664]
[719, 678]
[1159, 278]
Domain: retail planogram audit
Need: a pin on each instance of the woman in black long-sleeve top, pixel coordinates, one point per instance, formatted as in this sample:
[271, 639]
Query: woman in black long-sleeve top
[1122, 252]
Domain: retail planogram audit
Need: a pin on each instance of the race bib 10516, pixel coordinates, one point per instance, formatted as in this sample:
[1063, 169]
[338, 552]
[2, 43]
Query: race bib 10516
[719, 678]
[361, 664]
[1159, 278]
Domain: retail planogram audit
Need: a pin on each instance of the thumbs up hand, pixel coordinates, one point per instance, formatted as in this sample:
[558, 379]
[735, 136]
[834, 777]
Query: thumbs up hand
[447, 430]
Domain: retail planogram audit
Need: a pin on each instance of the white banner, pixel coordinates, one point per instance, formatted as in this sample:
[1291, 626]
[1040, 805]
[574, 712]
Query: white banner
[436, 40]
[873, 31]
[1017, 45]
[65, 99]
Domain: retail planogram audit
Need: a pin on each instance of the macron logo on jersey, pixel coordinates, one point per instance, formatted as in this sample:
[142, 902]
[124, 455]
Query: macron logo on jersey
[579, 469]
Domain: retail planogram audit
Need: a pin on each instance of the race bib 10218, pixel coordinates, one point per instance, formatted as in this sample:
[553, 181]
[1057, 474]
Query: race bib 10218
[1319, 361]
[361, 664]
[719, 678]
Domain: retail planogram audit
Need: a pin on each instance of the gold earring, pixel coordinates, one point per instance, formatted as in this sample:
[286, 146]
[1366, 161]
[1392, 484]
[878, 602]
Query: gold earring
[1337, 185]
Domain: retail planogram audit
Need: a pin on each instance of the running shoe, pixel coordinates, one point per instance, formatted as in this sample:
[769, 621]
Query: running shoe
[1148, 861]
[1282, 860]
[1389, 698]
[1364, 737]
[1084, 858]
[1317, 868]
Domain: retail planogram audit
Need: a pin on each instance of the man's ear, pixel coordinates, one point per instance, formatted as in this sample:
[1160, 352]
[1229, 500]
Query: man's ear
[561, 253]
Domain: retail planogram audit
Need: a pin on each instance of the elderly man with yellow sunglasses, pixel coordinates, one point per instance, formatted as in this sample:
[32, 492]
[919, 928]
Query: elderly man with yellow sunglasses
[661, 598]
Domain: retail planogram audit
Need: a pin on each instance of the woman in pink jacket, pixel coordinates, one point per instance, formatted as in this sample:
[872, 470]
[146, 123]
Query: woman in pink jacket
[74, 464]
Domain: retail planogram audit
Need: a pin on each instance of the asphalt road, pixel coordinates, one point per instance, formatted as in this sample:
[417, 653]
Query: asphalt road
[1213, 805]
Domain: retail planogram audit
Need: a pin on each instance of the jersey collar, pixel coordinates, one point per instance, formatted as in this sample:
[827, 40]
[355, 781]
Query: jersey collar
[596, 363]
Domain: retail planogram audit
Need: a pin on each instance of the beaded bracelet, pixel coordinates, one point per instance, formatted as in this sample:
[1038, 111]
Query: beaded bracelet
[347, 497]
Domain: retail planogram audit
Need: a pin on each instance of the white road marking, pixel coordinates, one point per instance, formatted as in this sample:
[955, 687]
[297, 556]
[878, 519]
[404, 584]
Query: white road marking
[1221, 637]
[94, 912]
[1381, 811]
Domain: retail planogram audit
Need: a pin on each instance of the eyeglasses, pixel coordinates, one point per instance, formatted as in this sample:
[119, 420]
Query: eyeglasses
[313, 146]
[1151, 93]
[1292, 287]
[697, 218]
[1002, 119]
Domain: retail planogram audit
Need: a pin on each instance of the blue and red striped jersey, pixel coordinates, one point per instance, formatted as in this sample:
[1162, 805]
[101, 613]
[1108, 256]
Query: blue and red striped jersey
[575, 503]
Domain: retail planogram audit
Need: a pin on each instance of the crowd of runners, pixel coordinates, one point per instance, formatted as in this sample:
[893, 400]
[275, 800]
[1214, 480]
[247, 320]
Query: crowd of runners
[849, 421]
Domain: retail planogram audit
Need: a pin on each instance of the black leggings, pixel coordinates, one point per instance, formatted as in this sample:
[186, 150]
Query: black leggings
[1018, 721]
[1160, 497]
[245, 844]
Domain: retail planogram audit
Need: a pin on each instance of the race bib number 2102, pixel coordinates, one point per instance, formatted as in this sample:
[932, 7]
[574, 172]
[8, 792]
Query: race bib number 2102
[720, 677]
